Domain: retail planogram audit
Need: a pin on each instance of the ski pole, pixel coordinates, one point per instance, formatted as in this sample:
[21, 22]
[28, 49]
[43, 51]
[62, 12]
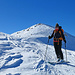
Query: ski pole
[46, 50]
[65, 52]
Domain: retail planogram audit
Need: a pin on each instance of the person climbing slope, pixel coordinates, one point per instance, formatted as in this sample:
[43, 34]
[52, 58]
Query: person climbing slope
[58, 37]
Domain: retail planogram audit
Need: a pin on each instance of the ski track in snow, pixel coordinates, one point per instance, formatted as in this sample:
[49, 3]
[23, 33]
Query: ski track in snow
[22, 53]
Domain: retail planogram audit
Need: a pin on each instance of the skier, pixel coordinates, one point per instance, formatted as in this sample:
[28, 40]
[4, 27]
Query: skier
[58, 37]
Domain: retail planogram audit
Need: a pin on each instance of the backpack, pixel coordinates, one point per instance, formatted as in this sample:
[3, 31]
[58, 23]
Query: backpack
[58, 34]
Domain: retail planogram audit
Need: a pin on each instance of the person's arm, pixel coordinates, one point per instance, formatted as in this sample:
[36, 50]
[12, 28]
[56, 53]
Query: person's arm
[51, 35]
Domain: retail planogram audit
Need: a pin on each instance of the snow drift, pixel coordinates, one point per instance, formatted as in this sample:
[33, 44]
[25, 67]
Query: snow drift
[22, 53]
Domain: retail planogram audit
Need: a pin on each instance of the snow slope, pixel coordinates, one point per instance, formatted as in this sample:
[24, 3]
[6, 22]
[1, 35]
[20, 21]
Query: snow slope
[22, 53]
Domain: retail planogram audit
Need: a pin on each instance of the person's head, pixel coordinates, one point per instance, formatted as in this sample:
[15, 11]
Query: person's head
[57, 26]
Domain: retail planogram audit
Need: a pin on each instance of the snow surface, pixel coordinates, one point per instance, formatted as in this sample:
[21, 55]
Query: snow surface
[22, 53]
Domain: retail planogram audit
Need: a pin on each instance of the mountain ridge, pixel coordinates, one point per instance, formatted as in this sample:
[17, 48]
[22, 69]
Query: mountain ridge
[23, 53]
[45, 30]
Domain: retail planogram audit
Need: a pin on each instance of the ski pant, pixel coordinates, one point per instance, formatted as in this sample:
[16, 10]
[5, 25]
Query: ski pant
[58, 50]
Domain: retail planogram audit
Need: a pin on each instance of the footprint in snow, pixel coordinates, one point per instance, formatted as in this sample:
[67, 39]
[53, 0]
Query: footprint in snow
[14, 64]
[40, 64]
[11, 53]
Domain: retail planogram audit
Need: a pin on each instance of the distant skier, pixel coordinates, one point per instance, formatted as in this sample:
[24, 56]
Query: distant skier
[58, 37]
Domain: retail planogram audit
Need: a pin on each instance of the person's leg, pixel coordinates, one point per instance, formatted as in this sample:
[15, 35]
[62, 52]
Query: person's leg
[56, 49]
[60, 51]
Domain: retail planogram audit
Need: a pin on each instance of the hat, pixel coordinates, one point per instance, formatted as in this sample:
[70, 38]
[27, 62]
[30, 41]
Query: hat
[57, 25]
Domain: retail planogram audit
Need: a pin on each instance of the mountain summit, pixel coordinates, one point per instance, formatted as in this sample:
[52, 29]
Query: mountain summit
[43, 31]
[22, 53]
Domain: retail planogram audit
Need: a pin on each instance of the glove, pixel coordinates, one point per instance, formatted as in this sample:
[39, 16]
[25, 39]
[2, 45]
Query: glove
[49, 37]
[64, 40]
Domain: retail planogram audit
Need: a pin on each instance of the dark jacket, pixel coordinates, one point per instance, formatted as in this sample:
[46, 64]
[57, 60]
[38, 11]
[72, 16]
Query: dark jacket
[57, 35]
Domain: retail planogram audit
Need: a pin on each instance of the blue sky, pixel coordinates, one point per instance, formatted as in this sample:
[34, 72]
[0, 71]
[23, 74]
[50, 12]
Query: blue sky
[16, 15]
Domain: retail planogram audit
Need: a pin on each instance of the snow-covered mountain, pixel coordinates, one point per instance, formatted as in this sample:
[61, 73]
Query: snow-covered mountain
[22, 53]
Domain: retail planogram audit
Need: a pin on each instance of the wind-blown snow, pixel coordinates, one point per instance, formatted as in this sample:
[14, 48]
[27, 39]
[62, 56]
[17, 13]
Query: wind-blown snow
[22, 53]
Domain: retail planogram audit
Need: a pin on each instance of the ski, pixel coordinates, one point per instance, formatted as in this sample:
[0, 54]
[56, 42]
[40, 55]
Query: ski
[64, 62]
